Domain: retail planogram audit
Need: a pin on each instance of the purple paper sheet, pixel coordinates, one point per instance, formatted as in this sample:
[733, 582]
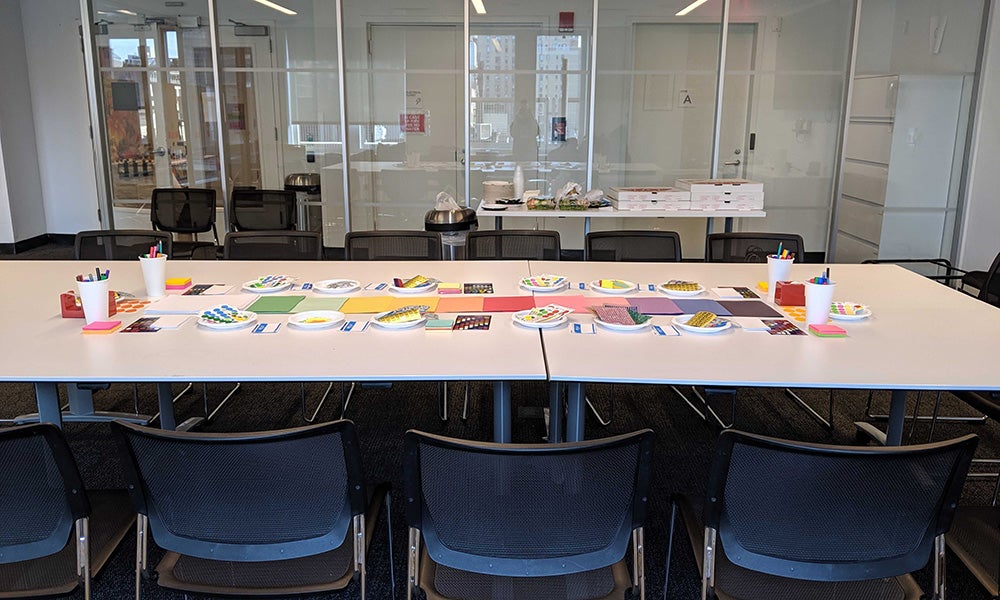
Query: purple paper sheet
[691, 306]
[750, 308]
[655, 306]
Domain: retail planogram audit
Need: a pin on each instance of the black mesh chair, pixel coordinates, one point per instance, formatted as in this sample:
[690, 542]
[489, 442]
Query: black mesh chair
[512, 244]
[787, 520]
[751, 247]
[526, 521]
[263, 210]
[251, 514]
[54, 536]
[633, 246]
[986, 282]
[187, 211]
[392, 245]
[273, 245]
[118, 244]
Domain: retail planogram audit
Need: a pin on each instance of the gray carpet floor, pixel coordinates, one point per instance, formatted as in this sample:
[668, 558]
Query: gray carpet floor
[683, 452]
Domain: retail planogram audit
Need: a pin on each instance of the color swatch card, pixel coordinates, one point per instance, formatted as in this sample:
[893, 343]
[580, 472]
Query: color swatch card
[209, 289]
[275, 305]
[750, 308]
[472, 323]
[478, 288]
[143, 325]
[655, 306]
[782, 327]
[509, 303]
[692, 306]
[734, 293]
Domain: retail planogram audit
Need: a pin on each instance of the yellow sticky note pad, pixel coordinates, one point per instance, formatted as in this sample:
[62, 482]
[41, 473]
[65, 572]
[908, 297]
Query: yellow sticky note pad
[762, 286]
[178, 281]
[367, 304]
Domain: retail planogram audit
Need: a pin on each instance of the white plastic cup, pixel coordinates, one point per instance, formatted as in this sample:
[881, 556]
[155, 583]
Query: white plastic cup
[778, 269]
[154, 273]
[94, 298]
[819, 297]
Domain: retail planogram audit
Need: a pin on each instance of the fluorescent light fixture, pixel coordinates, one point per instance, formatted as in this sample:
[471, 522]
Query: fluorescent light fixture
[127, 12]
[690, 7]
[496, 44]
[478, 5]
[276, 7]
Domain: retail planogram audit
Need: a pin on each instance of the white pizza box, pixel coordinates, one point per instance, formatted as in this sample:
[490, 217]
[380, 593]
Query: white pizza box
[650, 205]
[719, 185]
[724, 194]
[649, 194]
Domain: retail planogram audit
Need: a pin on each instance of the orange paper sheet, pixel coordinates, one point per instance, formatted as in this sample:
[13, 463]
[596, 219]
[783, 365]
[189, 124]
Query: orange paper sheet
[399, 302]
[460, 304]
[367, 304]
[579, 304]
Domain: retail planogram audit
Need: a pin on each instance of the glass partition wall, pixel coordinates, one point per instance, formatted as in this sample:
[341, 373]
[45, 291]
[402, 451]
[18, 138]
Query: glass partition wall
[387, 103]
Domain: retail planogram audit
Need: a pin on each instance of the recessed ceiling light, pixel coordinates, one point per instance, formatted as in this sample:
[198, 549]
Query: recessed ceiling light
[127, 12]
[276, 7]
[690, 7]
[478, 5]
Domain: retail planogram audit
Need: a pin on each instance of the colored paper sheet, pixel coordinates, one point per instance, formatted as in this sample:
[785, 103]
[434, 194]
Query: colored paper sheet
[750, 308]
[579, 304]
[192, 305]
[275, 305]
[316, 303]
[430, 301]
[366, 304]
[655, 306]
[460, 304]
[508, 303]
[693, 305]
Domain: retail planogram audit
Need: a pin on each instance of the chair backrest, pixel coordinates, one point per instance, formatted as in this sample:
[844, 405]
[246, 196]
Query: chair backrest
[41, 490]
[991, 287]
[633, 246]
[118, 244]
[273, 245]
[513, 244]
[752, 247]
[183, 210]
[526, 510]
[263, 210]
[832, 513]
[392, 245]
[245, 496]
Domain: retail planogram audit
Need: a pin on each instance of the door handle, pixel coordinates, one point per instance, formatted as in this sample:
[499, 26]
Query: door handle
[733, 163]
[161, 151]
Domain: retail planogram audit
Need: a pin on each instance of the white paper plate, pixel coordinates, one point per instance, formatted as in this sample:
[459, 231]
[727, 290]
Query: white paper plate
[287, 283]
[541, 288]
[493, 206]
[681, 321]
[619, 327]
[207, 324]
[681, 294]
[862, 313]
[518, 318]
[596, 286]
[336, 286]
[406, 325]
[424, 289]
[316, 319]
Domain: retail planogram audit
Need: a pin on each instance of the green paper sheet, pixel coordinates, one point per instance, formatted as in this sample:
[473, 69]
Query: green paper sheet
[275, 305]
[319, 304]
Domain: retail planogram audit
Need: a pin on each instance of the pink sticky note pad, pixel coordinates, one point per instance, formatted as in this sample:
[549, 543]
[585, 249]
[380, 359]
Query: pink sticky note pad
[508, 303]
[580, 304]
[828, 330]
[102, 326]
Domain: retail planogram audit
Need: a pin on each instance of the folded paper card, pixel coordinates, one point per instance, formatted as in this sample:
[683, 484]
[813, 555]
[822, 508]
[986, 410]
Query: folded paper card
[275, 305]
[750, 308]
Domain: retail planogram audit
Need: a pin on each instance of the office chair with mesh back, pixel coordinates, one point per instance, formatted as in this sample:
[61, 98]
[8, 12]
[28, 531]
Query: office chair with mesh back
[751, 247]
[633, 246]
[392, 245]
[986, 282]
[789, 520]
[273, 245]
[54, 535]
[187, 211]
[532, 520]
[118, 244]
[512, 244]
[246, 514]
[263, 210]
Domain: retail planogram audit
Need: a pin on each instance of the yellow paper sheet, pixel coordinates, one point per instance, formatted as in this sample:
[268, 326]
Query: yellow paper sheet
[367, 304]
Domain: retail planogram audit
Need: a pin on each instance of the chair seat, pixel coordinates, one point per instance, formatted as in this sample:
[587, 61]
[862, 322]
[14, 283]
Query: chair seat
[444, 583]
[736, 583]
[112, 517]
[190, 248]
[974, 537]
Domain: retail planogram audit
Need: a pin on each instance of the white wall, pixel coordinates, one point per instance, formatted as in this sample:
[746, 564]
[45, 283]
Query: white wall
[22, 187]
[61, 114]
[980, 241]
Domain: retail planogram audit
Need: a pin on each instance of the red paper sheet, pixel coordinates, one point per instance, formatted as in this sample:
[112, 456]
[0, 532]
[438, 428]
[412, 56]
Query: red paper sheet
[508, 303]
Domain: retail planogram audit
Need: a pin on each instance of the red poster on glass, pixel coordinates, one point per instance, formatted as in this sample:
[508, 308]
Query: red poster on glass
[413, 122]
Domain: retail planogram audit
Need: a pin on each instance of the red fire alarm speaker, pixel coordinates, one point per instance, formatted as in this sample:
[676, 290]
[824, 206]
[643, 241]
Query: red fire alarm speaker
[566, 22]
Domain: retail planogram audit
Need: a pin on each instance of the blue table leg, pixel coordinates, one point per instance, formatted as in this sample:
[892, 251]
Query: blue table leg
[897, 416]
[575, 413]
[501, 412]
[165, 395]
[555, 413]
[47, 399]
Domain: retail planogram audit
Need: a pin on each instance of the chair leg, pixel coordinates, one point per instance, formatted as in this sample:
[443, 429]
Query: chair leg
[392, 561]
[413, 564]
[319, 406]
[465, 403]
[443, 400]
[708, 577]
[670, 548]
[211, 415]
[360, 545]
[934, 417]
[639, 563]
[345, 400]
[83, 554]
[141, 547]
[939, 568]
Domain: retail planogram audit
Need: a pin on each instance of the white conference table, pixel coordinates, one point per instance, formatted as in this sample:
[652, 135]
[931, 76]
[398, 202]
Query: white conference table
[922, 336]
[45, 349]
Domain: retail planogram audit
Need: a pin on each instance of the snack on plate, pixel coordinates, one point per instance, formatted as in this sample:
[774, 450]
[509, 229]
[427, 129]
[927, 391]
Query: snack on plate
[619, 315]
[544, 281]
[403, 315]
[705, 319]
[541, 203]
[413, 282]
[613, 284]
[544, 314]
[225, 314]
[848, 308]
[677, 285]
[316, 320]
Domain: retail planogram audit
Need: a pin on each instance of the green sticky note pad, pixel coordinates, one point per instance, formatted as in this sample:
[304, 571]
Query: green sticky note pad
[440, 324]
[275, 305]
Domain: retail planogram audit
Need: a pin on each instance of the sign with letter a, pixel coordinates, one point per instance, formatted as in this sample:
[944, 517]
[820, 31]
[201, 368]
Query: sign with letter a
[685, 99]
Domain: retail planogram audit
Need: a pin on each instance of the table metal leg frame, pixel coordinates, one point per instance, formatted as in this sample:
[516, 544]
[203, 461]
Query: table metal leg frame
[897, 417]
[501, 412]
[81, 408]
[576, 411]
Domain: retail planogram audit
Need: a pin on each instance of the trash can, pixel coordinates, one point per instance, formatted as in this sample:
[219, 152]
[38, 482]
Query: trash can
[454, 226]
[307, 199]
